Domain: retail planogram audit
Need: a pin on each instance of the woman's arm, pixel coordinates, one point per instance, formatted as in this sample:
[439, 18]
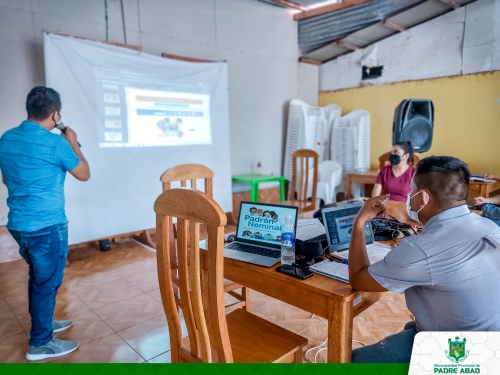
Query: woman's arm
[377, 190]
[480, 200]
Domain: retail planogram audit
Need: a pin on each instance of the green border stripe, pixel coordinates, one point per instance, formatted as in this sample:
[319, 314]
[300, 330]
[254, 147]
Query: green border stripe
[202, 369]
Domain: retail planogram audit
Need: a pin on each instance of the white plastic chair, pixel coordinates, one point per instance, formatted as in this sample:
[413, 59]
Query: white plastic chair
[330, 177]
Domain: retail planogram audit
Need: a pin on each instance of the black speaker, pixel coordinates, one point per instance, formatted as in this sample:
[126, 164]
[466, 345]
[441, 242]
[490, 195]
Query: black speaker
[104, 245]
[414, 122]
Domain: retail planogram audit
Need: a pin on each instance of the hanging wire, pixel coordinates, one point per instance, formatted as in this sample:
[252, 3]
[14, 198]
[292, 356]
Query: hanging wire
[106, 17]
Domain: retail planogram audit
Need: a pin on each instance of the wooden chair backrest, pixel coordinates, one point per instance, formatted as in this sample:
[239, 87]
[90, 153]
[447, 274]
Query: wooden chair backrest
[199, 277]
[301, 185]
[188, 172]
[385, 157]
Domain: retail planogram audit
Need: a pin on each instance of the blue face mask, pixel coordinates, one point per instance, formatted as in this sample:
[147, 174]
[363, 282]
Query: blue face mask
[412, 214]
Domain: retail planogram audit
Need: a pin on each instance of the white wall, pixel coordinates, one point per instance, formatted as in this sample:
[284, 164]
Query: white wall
[258, 41]
[463, 41]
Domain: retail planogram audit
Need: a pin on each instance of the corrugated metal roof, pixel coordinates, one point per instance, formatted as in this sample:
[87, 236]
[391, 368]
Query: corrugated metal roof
[327, 36]
[317, 31]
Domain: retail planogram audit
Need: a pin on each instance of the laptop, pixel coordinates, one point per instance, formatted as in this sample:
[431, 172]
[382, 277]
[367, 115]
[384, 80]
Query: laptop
[258, 236]
[338, 224]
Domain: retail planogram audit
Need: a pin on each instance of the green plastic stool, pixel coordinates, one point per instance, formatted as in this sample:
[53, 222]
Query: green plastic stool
[255, 179]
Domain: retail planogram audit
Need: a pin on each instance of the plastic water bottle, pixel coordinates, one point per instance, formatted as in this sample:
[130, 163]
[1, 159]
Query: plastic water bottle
[287, 241]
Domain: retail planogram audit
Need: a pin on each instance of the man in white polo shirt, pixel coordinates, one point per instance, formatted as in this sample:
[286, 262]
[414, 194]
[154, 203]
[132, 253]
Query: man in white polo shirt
[449, 273]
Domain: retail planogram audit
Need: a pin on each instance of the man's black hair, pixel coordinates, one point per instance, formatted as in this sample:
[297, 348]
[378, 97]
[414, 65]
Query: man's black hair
[41, 102]
[445, 177]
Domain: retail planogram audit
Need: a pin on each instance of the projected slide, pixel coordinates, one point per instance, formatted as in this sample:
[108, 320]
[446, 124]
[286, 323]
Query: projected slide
[136, 110]
[157, 118]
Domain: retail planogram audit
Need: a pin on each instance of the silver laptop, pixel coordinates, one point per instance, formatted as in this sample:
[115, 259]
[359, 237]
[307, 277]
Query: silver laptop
[258, 236]
[338, 224]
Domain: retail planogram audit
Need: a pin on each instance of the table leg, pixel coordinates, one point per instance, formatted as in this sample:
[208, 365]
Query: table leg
[339, 331]
[348, 187]
[282, 189]
[254, 192]
[484, 191]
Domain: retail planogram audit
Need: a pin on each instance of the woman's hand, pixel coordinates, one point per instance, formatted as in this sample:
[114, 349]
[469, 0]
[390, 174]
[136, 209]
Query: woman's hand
[488, 176]
[373, 207]
[479, 201]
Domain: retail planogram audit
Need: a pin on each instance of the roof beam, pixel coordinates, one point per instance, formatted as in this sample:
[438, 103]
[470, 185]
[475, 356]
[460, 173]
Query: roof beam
[329, 8]
[451, 3]
[290, 5]
[305, 60]
[344, 44]
[394, 26]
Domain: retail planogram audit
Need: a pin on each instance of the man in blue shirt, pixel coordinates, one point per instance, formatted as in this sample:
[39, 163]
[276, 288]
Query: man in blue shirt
[447, 272]
[34, 163]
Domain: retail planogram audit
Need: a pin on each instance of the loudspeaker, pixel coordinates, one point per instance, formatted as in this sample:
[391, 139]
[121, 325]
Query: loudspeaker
[414, 122]
[104, 245]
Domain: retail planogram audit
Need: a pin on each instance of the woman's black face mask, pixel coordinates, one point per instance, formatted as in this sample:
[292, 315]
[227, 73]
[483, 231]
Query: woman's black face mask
[394, 159]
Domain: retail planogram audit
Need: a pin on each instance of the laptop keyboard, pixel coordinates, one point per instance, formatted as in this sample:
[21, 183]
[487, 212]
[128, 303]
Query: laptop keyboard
[254, 250]
[376, 248]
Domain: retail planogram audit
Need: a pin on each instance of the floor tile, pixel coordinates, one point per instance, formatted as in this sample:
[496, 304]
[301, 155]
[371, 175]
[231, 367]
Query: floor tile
[150, 338]
[147, 281]
[130, 312]
[11, 283]
[131, 268]
[156, 294]
[3, 305]
[8, 268]
[14, 348]
[76, 280]
[162, 358]
[106, 294]
[86, 327]
[109, 349]
[9, 325]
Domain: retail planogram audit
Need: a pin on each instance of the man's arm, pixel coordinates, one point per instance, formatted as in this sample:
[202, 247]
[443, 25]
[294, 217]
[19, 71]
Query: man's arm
[82, 170]
[358, 262]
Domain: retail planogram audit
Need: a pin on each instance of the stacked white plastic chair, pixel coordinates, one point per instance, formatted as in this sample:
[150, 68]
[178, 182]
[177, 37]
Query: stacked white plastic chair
[330, 177]
[308, 127]
[350, 145]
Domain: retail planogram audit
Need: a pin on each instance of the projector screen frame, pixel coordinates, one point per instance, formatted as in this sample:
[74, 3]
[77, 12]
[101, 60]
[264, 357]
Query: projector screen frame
[224, 177]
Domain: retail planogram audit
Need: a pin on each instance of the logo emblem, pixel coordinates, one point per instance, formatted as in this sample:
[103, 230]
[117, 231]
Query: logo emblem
[456, 352]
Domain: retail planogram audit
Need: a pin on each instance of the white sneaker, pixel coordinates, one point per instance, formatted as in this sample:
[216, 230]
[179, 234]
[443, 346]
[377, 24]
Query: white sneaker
[54, 348]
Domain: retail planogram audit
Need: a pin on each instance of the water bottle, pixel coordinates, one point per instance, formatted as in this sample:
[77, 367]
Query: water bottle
[287, 241]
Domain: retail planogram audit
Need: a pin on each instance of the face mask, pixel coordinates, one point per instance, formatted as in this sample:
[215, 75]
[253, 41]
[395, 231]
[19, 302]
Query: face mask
[394, 159]
[412, 214]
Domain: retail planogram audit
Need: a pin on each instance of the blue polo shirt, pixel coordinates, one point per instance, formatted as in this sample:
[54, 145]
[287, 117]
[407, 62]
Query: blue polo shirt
[34, 163]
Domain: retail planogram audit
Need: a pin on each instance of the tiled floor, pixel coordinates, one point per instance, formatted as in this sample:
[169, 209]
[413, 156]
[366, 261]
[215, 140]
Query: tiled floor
[114, 301]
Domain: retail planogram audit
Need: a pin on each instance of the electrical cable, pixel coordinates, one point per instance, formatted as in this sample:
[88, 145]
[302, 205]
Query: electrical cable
[106, 17]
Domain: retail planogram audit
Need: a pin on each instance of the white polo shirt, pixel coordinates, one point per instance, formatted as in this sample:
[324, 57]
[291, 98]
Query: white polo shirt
[450, 273]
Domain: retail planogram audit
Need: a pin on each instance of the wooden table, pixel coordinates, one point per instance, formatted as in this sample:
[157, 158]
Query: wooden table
[484, 189]
[321, 295]
[368, 177]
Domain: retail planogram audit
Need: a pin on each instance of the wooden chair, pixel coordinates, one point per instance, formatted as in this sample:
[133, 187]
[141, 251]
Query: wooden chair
[385, 158]
[212, 335]
[192, 172]
[302, 185]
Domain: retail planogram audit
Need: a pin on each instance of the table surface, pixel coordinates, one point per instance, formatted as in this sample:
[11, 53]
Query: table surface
[320, 295]
[249, 178]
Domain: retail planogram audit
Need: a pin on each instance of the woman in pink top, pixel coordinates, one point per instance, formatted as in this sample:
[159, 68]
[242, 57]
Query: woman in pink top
[395, 179]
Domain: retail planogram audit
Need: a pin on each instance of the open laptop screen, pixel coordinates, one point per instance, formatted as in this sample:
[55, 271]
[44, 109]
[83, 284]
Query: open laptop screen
[259, 222]
[338, 224]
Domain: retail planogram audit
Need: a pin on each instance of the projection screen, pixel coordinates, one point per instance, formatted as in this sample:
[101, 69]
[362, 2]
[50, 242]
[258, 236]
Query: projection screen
[136, 115]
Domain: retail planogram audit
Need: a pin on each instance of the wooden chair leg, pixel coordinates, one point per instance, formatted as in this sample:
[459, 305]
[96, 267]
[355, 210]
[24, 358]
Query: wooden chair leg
[245, 294]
